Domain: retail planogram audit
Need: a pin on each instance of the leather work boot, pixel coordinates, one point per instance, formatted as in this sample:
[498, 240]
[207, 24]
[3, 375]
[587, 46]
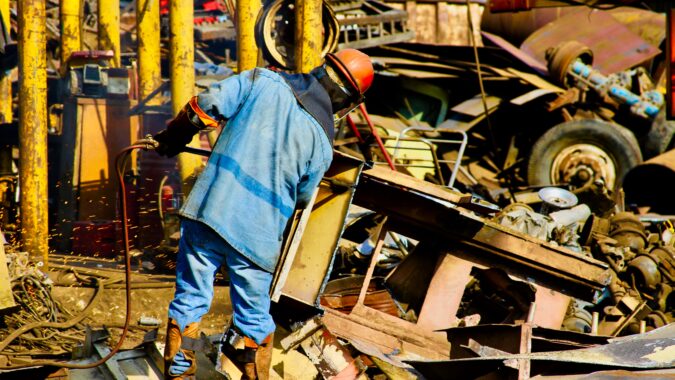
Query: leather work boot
[241, 358]
[174, 340]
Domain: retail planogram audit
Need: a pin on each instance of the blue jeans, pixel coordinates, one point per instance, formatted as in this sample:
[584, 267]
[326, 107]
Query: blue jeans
[200, 253]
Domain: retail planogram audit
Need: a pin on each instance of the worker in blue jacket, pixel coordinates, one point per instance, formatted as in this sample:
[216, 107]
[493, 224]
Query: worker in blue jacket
[271, 155]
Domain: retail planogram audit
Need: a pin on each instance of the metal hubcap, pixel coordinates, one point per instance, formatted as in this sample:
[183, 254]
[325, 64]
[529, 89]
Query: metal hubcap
[579, 163]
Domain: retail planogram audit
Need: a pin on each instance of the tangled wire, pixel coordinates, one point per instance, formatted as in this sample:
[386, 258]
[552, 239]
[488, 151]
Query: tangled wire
[33, 295]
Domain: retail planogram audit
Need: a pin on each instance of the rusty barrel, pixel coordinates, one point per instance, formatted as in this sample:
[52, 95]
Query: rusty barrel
[651, 184]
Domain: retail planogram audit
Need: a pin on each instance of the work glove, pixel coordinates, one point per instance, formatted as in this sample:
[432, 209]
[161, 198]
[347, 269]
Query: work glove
[177, 134]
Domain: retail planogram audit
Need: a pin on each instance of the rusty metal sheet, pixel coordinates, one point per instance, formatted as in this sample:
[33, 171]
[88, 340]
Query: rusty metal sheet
[312, 262]
[615, 47]
[517, 53]
[652, 350]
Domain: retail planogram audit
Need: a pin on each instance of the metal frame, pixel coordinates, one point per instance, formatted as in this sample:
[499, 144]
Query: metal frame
[431, 143]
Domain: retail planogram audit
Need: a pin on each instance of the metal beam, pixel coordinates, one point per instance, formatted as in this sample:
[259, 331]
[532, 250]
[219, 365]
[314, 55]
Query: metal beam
[183, 75]
[149, 70]
[308, 35]
[109, 28]
[71, 40]
[247, 50]
[33, 127]
[5, 79]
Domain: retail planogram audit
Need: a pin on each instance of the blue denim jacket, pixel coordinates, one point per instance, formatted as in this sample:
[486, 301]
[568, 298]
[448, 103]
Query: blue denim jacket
[270, 156]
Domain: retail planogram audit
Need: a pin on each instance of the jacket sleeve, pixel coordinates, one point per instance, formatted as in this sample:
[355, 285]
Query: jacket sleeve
[223, 99]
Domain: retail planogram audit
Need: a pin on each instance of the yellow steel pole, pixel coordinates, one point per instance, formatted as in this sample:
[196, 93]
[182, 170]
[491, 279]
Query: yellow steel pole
[109, 28]
[5, 80]
[33, 127]
[183, 75]
[308, 34]
[247, 50]
[149, 70]
[71, 40]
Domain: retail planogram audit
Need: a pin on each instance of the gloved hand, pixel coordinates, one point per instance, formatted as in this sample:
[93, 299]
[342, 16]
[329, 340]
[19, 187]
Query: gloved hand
[177, 135]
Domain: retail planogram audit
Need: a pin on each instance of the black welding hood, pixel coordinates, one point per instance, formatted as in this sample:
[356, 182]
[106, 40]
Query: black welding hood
[313, 97]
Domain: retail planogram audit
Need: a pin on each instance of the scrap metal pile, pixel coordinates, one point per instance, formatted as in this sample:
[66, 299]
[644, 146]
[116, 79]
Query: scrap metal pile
[498, 241]
[511, 290]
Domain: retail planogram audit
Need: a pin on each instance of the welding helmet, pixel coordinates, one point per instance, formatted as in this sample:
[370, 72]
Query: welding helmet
[355, 71]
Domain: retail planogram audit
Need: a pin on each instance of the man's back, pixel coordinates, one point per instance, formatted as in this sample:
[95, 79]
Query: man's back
[271, 154]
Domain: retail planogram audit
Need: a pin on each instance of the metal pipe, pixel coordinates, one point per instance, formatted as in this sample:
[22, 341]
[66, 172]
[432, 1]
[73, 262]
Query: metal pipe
[247, 50]
[149, 69]
[181, 30]
[33, 127]
[109, 28]
[308, 35]
[5, 79]
[71, 40]
[657, 174]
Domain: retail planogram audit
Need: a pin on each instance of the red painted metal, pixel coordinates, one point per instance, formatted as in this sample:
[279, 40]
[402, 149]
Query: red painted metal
[362, 107]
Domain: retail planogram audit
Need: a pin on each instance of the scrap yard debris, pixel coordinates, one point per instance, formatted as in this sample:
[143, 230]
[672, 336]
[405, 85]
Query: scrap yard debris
[499, 207]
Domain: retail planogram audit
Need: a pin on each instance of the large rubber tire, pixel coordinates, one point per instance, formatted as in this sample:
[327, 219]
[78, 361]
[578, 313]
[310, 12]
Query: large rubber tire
[617, 144]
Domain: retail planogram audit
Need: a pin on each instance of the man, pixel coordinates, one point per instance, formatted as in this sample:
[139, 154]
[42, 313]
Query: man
[268, 160]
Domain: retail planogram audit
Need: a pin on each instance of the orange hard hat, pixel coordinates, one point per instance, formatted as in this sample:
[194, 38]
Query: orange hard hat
[355, 66]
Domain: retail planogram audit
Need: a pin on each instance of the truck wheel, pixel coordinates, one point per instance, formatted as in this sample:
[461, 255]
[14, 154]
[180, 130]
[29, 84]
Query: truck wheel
[579, 151]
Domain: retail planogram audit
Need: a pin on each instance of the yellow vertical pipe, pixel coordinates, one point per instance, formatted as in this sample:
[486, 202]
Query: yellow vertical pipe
[71, 40]
[149, 69]
[33, 127]
[5, 80]
[183, 75]
[109, 28]
[308, 34]
[247, 50]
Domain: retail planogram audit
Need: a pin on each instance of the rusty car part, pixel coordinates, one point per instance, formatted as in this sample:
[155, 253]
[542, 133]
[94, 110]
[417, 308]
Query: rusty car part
[617, 317]
[628, 231]
[578, 318]
[556, 198]
[582, 151]
[570, 65]
[623, 51]
[655, 270]
[560, 58]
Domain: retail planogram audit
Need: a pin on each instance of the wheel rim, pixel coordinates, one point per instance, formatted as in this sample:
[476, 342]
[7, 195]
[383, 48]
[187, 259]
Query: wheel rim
[579, 163]
[275, 32]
